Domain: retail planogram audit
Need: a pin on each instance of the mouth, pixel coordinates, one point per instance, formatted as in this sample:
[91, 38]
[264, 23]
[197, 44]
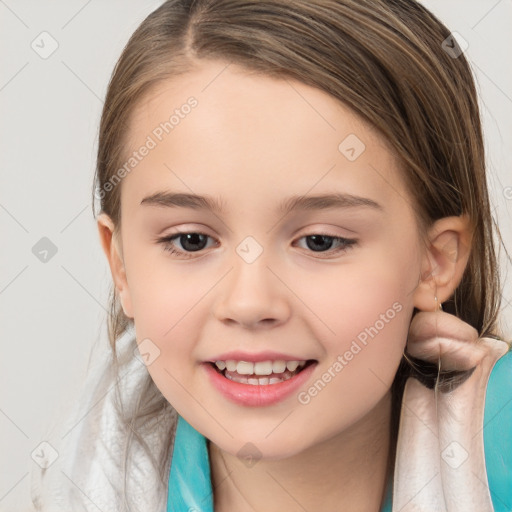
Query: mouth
[260, 373]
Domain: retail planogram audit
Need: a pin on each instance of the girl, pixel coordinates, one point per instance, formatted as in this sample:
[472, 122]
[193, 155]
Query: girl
[304, 312]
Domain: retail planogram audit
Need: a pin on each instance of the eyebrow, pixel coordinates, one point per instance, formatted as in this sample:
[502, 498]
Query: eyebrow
[293, 203]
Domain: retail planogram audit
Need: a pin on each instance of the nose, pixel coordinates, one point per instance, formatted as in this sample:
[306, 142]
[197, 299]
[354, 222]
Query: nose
[253, 296]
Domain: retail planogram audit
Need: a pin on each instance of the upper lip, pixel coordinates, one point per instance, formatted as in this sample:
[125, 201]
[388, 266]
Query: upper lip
[268, 355]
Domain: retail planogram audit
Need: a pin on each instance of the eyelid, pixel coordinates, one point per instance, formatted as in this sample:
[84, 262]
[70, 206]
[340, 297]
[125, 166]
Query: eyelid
[167, 240]
[349, 243]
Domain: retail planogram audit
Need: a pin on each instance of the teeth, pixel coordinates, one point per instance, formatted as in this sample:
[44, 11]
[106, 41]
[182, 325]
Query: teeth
[220, 364]
[292, 365]
[244, 368]
[279, 366]
[231, 366]
[263, 381]
[259, 368]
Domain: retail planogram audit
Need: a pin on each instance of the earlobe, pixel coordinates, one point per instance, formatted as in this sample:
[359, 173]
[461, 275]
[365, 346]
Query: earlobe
[444, 261]
[112, 248]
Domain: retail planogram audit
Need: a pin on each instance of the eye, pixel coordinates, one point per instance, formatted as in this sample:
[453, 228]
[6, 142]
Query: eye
[194, 242]
[190, 242]
[323, 243]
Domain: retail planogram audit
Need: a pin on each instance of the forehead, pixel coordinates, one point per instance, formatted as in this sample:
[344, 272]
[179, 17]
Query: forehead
[222, 129]
[225, 92]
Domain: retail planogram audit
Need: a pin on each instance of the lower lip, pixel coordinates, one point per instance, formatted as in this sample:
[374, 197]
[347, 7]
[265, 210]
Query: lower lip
[257, 395]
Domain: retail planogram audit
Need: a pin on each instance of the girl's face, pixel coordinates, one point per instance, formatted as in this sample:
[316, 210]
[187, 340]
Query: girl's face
[271, 273]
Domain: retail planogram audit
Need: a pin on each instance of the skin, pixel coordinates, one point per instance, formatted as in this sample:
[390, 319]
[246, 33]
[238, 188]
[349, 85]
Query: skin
[253, 141]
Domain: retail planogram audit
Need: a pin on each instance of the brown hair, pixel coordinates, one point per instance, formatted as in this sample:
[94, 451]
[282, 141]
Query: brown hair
[385, 59]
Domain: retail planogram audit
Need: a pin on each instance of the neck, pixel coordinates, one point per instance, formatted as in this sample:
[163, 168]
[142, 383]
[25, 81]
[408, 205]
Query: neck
[347, 472]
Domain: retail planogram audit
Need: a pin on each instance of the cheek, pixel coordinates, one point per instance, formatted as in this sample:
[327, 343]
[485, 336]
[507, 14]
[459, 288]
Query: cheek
[367, 333]
[170, 304]
[163, 292]
[172, 331]
[369, 319]
[364, 312]
[169, 312]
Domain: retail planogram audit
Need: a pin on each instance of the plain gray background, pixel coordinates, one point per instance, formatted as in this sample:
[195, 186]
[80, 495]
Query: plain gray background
[53, 312]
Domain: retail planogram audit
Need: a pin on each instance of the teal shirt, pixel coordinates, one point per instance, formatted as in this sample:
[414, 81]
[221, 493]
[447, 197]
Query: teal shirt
[190, 487]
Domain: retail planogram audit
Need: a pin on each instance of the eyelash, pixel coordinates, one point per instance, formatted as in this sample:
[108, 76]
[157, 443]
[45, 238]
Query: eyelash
[167, 240]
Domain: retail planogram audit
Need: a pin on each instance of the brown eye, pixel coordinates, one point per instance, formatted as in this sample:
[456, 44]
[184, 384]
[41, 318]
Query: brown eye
[189, 242]
[323, 243]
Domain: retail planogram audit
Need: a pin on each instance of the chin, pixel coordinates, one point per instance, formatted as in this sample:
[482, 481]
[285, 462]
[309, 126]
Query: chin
[257, 447]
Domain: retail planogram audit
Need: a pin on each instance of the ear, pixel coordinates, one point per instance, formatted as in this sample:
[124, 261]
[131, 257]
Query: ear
[111, 247]
[446, 256]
